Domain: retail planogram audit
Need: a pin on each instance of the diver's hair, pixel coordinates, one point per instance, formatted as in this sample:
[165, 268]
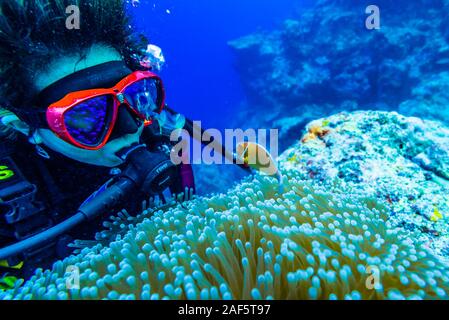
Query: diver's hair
[33, 33]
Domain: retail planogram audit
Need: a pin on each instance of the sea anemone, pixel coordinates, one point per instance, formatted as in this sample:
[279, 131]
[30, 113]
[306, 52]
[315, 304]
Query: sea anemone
[252, 243]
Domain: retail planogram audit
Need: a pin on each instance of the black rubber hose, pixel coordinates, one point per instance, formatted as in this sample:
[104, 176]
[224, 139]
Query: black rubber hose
[37, 240]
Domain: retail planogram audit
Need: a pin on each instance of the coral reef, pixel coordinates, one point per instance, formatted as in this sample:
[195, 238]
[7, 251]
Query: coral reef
[326, 61]
[400, 161]
[308, 242]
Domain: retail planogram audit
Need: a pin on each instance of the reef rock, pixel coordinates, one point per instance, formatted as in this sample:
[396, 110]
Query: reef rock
[401, 161]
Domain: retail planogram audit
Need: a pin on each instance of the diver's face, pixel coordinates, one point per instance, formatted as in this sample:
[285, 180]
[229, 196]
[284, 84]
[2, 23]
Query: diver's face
[107, 155]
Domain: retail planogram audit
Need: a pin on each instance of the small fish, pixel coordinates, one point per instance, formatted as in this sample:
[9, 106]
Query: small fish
[436, 215]
[258, 158]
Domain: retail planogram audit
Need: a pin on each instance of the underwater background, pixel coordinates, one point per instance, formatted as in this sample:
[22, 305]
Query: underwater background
[364, 136]
[200, 74]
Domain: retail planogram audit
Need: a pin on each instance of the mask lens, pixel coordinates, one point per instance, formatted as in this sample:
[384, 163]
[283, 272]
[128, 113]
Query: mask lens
[88, 122]
[145, 96]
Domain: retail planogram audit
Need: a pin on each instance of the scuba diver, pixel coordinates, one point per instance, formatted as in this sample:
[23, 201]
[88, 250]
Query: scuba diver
[79, 129]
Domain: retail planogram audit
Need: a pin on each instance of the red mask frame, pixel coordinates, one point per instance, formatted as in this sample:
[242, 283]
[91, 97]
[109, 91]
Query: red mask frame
[56, 111]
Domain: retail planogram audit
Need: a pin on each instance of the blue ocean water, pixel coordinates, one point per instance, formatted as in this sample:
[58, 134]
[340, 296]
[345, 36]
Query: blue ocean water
[199, 76]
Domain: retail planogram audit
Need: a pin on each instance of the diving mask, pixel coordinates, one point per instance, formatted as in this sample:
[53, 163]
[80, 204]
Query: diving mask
[86, 116]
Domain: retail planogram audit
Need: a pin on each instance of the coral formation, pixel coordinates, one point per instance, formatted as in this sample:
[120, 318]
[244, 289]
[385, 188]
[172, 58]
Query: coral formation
[400, 161]
[253, 243]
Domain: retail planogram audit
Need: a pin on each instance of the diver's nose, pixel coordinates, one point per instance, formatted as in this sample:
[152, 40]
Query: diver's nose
[126, 123]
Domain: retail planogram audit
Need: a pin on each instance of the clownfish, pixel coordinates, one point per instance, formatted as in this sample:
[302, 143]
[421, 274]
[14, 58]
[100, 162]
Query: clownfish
[258, 158]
